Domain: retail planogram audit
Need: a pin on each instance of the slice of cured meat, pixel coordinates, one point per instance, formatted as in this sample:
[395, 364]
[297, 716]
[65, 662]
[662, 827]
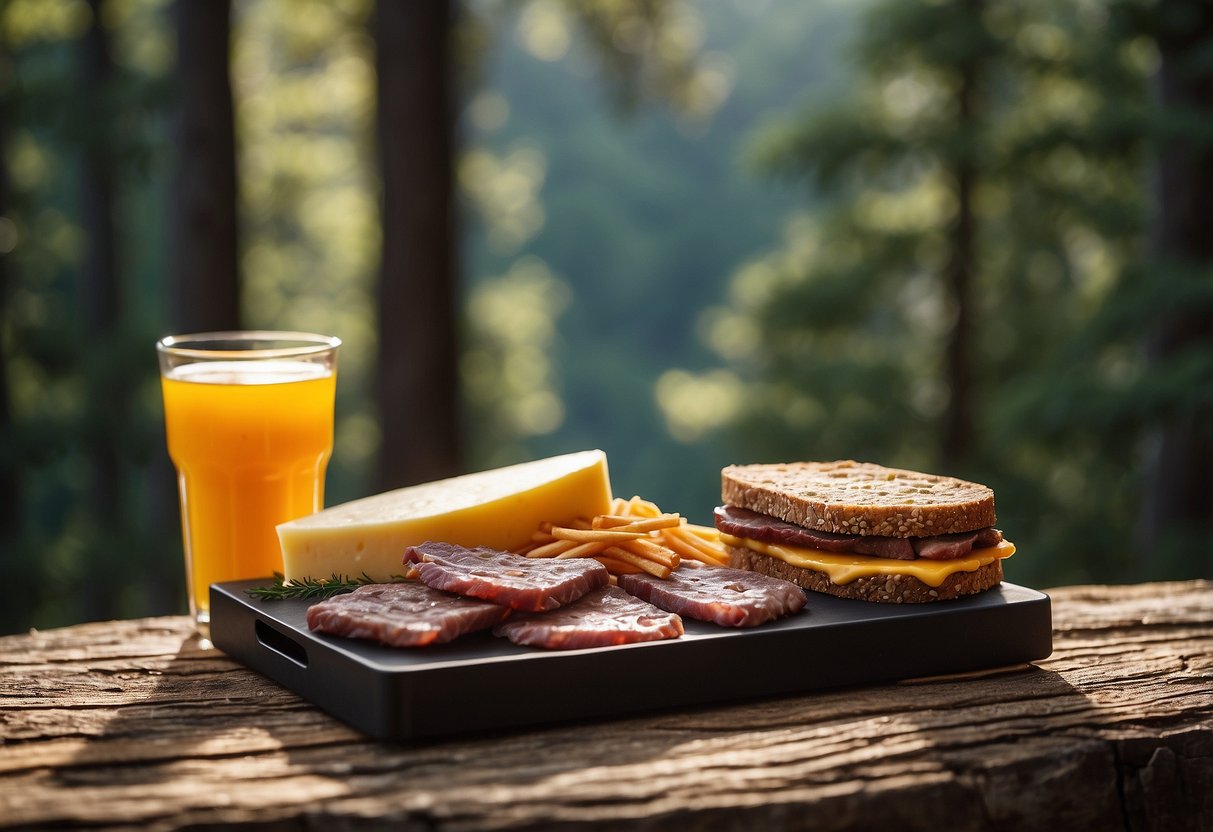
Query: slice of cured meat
[530, 584]
[603, 618]
[724, 596]
[742, 522]
[402, 615]
[951, 546]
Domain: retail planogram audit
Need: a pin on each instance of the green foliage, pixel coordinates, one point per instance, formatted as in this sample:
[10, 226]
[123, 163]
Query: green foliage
[303, 90]
[629, 282]
[836, 341]
[91, 546]
[85, 437]
[640, 218]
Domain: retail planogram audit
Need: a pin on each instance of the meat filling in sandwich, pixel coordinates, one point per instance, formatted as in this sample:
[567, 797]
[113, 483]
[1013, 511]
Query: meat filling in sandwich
[741, 522]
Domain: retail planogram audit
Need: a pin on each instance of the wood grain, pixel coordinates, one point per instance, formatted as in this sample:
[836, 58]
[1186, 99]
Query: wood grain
[130, 725]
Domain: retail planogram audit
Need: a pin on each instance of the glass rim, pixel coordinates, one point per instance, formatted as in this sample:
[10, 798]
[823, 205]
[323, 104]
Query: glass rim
[188, 346]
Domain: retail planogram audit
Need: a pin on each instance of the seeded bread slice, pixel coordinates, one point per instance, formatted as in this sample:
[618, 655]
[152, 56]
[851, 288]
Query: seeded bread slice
[899, 589]
[847, 497]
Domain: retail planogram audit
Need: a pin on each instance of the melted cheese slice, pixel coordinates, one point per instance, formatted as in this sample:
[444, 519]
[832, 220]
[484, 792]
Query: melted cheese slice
[500, 508]
[844, 568]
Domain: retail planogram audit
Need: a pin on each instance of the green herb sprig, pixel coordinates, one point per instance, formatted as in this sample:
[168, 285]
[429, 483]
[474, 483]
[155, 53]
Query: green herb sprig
[311, 588]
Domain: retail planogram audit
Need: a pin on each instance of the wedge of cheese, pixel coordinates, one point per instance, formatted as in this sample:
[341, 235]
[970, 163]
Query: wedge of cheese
[500, 508]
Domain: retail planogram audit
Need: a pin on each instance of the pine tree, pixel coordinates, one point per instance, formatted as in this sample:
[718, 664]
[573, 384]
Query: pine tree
[984, 200]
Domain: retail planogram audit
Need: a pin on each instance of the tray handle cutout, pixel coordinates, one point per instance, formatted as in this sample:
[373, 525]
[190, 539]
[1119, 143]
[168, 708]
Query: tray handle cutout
[280, 643]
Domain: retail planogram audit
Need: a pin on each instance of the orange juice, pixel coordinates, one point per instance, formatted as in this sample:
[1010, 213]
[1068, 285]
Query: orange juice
[250, 441]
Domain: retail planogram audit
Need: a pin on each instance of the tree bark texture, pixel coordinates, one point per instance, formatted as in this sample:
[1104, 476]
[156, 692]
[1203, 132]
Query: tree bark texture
[129, 725]
[417, 379]
[206, 286]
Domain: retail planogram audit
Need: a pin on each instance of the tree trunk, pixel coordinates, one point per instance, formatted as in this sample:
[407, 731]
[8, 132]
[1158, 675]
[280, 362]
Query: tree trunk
[206, 289]
[205, 286]
[1179, 496]
[417, 381]
[957, 440]
[10, 487]
[101, 294]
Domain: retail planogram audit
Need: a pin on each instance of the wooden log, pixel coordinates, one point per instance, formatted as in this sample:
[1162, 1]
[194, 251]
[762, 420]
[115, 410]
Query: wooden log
[124, 725]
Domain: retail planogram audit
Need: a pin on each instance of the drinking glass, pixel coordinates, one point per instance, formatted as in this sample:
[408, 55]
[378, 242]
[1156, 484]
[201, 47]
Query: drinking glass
[249, 423]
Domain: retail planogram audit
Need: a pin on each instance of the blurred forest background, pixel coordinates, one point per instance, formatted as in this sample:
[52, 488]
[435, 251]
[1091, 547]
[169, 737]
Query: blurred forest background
[968, 236]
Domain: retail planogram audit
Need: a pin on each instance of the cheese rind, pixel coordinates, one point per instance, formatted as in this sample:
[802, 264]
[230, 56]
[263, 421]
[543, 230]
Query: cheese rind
[500, 508]
[844, 568]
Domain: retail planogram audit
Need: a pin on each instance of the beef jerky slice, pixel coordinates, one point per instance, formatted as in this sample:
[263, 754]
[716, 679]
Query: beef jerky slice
[402, 615]
[602, 618]
[530, 584]
[724, 596]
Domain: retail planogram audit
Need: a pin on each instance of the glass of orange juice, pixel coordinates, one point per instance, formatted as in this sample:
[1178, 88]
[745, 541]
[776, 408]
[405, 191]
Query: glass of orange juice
[249, 421]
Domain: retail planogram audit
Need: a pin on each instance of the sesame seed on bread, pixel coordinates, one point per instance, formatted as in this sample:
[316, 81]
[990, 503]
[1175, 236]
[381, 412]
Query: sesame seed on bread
[847, 497]
[897, 589]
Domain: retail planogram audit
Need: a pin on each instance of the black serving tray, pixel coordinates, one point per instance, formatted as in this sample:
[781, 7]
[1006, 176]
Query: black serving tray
[480, 682]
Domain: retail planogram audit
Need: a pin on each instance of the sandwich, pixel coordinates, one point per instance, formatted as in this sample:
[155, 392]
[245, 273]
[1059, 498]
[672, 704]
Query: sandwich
[862, 531]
